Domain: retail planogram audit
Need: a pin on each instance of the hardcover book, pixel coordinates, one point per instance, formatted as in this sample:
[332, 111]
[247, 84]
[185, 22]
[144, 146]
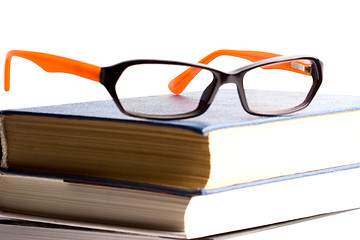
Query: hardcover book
[161, 213]
[317, 226]
[223, 147]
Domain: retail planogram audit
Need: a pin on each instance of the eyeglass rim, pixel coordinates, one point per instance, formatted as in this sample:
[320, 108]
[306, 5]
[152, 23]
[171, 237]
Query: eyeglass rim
[317, 77]
[110, 75]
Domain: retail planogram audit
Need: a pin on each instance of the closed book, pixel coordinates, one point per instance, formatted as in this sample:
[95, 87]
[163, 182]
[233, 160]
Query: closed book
[321, 226]
[176, 213]
[223, 147]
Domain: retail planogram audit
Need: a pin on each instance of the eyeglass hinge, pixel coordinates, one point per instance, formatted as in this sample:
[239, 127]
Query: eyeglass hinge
[301, 67]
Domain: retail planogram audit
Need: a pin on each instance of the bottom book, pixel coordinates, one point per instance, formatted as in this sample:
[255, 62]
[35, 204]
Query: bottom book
[336, 225]
[174, 215]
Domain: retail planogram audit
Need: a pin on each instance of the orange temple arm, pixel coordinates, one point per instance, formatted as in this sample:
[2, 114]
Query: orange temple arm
[178, 84]
[52, 63]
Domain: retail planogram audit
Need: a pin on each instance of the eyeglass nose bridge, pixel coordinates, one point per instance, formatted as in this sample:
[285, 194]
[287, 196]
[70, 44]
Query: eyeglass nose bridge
[236, 78]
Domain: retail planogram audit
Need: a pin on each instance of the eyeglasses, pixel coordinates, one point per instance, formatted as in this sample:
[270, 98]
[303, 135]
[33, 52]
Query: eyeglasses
[271, 85]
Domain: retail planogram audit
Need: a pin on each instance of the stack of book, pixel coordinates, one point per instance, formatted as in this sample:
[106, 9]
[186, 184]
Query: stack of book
[87, 165]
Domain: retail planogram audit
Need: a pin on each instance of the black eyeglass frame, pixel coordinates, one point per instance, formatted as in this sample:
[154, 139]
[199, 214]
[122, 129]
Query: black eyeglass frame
[110, 75]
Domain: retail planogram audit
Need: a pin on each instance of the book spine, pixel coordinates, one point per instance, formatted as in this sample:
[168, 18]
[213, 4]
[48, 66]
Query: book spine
[3, 142]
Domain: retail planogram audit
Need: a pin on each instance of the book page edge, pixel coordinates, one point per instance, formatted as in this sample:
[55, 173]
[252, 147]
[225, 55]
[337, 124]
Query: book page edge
[3, 143]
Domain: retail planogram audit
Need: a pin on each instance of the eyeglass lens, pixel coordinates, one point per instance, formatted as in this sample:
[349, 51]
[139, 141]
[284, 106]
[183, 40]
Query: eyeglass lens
[272, 90]
[149, 83]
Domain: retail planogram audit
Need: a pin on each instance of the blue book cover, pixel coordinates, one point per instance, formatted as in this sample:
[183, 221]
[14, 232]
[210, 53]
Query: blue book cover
[226, 111]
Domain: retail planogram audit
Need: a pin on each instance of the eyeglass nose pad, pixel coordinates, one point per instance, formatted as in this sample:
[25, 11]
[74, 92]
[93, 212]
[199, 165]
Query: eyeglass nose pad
[208, 92]
[242, 98]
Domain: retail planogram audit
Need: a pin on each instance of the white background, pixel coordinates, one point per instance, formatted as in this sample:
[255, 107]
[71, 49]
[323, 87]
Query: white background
[106, 32]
